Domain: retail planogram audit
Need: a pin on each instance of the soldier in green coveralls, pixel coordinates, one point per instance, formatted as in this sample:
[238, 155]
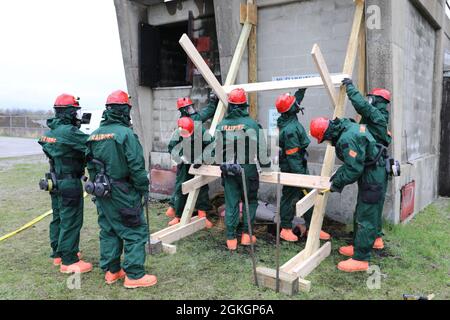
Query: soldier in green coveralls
[375, 116]
[117, 165]
[239, 137]
[182, 149]
[293, 142]
[362, 162]
[65, 146]
[186, 108]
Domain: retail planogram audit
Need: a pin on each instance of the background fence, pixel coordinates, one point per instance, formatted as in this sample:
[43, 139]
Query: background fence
[28, 126]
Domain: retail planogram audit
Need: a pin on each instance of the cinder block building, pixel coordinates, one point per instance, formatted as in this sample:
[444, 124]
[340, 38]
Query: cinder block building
[407, 52]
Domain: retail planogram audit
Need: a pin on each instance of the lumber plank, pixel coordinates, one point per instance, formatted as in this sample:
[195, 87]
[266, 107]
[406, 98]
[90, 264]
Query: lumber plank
[313, 82]
[289, 283]
[221, 107]
[306, 267]
[362, 79]
[287, 267]
[306, 203]
[313, 241]
[304, 285]
[253, 72]
[183, 231]
[159, 234]
[196, 183]
[324, 73]
[287, 179]
[202, 67]
[169, 248]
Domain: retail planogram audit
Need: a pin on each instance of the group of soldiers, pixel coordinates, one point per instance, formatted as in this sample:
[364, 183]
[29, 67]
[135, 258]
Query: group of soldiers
[361, 147]
[119, 182]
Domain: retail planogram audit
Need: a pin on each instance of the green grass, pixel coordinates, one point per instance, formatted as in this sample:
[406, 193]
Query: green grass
[416, 260]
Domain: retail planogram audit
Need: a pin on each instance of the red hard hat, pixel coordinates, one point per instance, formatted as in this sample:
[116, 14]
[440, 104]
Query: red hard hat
[118, 97]
[318, 127]
[381, 93]
[284, 102]
[237, 96]
[66, 100]
[186, 127]
[184, 102]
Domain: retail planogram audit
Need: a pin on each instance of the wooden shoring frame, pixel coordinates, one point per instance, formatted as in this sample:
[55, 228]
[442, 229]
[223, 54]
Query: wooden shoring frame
[309, 258]
[312, 255]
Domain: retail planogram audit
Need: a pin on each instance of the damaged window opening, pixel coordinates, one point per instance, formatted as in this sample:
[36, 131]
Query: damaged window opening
[162, 61]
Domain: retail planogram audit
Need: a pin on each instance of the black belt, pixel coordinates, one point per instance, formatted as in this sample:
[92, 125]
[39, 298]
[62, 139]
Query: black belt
[66, 176]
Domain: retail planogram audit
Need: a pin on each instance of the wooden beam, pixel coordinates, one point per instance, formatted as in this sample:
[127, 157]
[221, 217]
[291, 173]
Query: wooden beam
[362, 78]
[287, 179]
[169, 248]
[196, 183]
[304, 285]
[313, 241]
[248, 13]
[306, 203]
[306, 267]
[161, 233]
[183, 231]
[253, 72]
[292, 262]
[202, 67]
[221, 107]
[289, 283]
[313, 82]
[324, 73]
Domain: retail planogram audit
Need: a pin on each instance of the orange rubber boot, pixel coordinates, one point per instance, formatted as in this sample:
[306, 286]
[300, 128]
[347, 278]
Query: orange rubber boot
[77, 267]
[170, 212]
[288, 235]
[347, 251]
[146, 281]
[202, 214]
[174, 221]
[58, 261]
[245, 240]
[110, 277]
[378, 244]
[351, 265]
[232, 244]
[323, 235]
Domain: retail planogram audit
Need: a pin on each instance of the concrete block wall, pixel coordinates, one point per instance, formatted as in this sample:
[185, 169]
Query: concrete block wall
[404, 56]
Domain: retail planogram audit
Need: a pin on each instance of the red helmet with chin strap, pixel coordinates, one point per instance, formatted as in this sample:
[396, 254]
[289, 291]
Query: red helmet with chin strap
[284, 103]
[66, 100]
[237, 96]
[184, 102]
[118, 97]
[381, 93]
[186, 127]
[318, 127]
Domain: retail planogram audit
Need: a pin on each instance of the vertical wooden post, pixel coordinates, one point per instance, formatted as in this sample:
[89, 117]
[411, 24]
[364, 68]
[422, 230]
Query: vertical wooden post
[313, 242]
[253, 72]
[362, 57]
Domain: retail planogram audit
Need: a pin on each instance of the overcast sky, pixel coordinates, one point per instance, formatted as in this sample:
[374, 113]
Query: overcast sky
[50, 47]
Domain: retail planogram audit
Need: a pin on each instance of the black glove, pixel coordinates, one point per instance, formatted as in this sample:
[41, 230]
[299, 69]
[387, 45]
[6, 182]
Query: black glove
[300, 91]
[213, 98]
[197, 165]
[347, 81]
[335, 189]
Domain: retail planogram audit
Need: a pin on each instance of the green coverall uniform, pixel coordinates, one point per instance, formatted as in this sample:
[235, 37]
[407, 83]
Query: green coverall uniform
[65, 146]
[238, 131]
[120, 216]
[177, 141]
[203, 202]
[356, 147]
[376, 118]
[293, 142]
